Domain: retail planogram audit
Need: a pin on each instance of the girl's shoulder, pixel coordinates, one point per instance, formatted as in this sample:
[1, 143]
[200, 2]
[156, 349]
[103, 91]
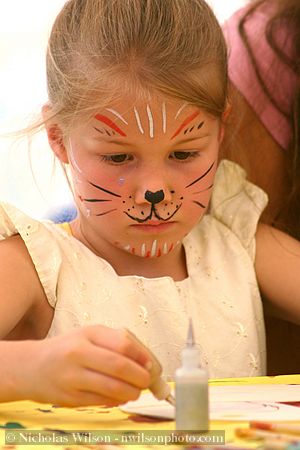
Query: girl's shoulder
[38, 243]
[22, 299]
[237, 204]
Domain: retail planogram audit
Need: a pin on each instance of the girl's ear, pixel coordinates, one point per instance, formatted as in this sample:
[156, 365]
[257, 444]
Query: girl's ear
[227, 112]
[225, 116]
[55, 136]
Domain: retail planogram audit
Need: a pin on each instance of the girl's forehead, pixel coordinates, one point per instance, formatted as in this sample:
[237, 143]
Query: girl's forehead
[152, 117]
[155, 116]
[158, 104]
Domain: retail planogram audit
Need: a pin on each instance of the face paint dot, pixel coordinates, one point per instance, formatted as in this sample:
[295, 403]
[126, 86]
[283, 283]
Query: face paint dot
[181, 198]
[130, 196]
[123, 201]
[172, 192]
[142, 213]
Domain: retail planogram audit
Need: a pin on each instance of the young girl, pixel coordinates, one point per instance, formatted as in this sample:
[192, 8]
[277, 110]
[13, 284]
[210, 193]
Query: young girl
[137, 101]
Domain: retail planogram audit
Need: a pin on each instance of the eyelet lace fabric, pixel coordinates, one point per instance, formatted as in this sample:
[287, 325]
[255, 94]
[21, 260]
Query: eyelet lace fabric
[220, 294]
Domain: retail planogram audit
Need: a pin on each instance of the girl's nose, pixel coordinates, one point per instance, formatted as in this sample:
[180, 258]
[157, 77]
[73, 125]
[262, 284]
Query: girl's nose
[154, 197]
[152, 194]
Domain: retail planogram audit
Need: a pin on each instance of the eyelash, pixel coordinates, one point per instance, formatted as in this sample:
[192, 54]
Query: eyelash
[189, 155]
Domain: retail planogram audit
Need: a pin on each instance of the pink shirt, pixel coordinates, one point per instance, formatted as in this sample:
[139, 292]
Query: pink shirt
[279, 78]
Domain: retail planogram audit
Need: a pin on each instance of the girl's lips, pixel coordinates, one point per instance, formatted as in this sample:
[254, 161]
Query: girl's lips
[154, 226]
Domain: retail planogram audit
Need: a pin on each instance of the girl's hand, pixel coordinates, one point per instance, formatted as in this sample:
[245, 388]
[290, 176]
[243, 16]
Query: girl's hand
[90, 366]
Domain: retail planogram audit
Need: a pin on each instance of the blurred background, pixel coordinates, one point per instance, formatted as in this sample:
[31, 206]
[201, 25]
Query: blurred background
[31, 181]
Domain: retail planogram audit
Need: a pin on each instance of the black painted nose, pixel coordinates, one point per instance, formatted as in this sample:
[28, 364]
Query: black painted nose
[154, 197]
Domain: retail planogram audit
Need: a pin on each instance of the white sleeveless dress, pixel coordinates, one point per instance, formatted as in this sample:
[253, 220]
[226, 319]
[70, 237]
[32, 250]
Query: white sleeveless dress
[220, 294]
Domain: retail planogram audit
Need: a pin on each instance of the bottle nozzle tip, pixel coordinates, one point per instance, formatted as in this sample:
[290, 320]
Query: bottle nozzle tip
[190, 337]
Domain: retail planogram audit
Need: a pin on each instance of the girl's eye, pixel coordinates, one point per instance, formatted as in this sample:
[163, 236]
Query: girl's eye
[117, 159]
[181, 156]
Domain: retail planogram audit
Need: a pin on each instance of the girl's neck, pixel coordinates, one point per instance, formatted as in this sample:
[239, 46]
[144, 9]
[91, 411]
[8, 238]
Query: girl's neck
[126, 264]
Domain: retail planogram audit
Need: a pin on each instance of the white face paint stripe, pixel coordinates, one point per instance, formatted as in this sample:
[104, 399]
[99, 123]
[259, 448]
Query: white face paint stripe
[151, 125]
[143, 250]
[164, 118]
[165, 248]
[180, 110]
[73, 161]
[127, 247]
[117, 115]
[153, 249]
[138, 120]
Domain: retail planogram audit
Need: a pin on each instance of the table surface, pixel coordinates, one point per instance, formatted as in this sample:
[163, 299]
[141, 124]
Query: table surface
[26, 416]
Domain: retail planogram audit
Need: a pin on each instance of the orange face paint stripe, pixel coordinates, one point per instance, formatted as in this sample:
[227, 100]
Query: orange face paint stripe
[185, 122]
[110, 123]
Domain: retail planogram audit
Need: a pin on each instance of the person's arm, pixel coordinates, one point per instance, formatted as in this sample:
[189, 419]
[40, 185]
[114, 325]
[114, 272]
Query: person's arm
[248, 143]
[90, 365]
[278, 272]
[20, 287]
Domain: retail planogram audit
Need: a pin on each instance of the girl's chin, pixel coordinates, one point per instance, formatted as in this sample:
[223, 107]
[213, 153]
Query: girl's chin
[151, 249]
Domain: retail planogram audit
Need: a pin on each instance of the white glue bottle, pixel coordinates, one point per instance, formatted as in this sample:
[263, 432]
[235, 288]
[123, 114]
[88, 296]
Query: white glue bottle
[191, 389]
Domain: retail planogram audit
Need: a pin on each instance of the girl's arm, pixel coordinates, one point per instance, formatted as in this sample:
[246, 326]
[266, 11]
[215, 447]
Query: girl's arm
[91, 365]
[21, 294]
[278, 272]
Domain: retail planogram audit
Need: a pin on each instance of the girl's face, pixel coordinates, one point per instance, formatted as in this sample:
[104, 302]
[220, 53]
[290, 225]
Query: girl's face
[143, 174]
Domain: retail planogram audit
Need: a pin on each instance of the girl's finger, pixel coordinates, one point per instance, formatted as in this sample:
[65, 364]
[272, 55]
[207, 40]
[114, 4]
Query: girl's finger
[120, 341]
[107, 362]
[101, 385]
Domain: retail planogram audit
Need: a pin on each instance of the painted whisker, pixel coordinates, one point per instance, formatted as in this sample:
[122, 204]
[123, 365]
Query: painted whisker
[199, 204]
[104, 190]
[203, 190]
[94, 200]
[106, 212]
[202, 176]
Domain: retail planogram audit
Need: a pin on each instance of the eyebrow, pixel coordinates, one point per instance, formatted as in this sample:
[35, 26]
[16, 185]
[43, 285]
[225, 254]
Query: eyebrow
[184, 141]
[122, 143]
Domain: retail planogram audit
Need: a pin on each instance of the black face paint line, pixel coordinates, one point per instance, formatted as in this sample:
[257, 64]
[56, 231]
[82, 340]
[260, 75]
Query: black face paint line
[154, 213]
[202, 190]
[202, 176]
[104, 190]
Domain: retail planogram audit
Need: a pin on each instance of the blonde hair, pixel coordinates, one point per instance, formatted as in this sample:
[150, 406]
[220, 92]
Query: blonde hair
[99, 49]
